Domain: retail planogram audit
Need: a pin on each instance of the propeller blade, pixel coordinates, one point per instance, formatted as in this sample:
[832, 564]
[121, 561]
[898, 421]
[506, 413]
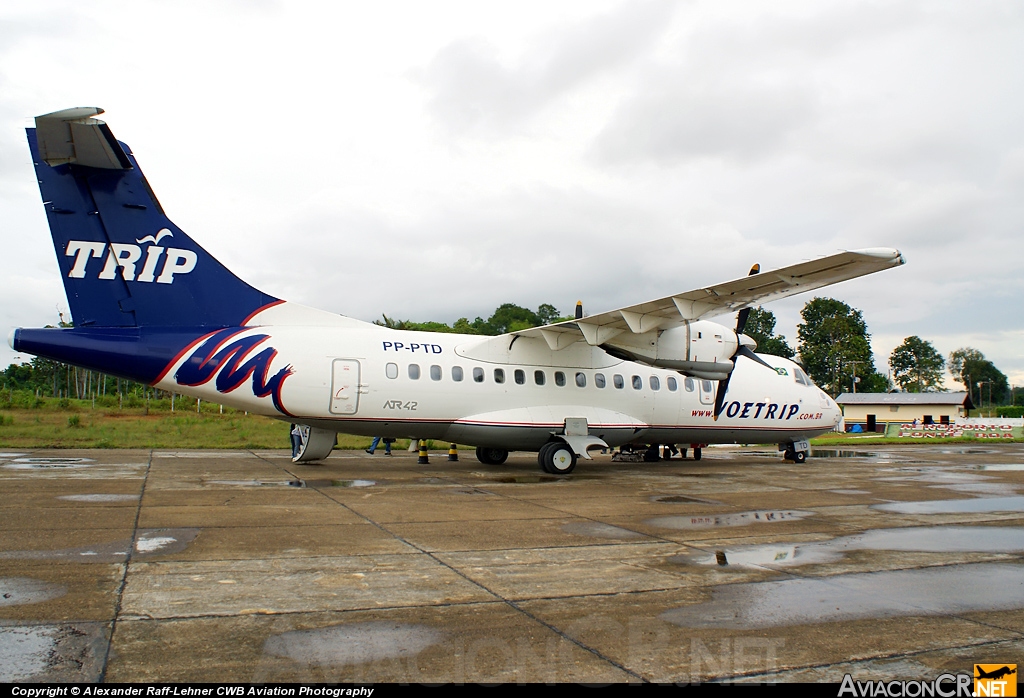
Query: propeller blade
[579, 310]
[741, 322]
[741, 318]
[723, 388]
[747, 352]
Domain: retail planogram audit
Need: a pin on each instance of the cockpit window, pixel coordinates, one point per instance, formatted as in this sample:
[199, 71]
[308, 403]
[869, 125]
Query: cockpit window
[801, 377]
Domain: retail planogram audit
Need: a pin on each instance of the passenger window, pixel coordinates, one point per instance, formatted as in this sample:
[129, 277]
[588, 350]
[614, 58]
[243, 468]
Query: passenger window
[414, 371]
[618, 382]
[688, 384]
[520, 376]
[435, 373]
[499, 375]
[391, 370]
[599, 380]
[707, 387]
[672, 384]
[538, 377]
[581, 380]
[457, 373]
[478, 375]
[638, 382]
[655, 383]
[559, 379]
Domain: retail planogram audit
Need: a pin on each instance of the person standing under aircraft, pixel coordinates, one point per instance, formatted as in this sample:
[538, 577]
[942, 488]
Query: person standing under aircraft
[296, 434]
[376, 441]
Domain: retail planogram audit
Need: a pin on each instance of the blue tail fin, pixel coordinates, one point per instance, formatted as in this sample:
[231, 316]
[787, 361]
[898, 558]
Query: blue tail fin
[124, 263]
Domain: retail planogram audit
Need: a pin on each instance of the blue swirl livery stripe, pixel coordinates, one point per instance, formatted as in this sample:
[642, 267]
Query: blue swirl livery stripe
[230, 362]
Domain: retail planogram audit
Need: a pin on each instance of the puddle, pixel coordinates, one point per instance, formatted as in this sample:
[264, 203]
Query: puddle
[927, 539]
[253, 483]
[317, 484]
[18, 591]
[724, 520]
[1001, 467]
[980, 505]
[46, 463]
[433, 481]
[841, 453]
[150, 543]
[353, 643]
[11, 455]
[596, 529]
[966, 451]
[100, 497]
[921, 592]
[51, 653]
[850, 491]
[528, 479]
[680, 499]
[991, 488]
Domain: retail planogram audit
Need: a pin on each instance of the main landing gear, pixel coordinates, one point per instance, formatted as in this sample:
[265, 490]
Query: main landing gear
[557, 458]
[491, 456]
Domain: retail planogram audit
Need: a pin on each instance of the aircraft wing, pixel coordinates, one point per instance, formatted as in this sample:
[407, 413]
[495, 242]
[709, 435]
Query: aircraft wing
[719, 299]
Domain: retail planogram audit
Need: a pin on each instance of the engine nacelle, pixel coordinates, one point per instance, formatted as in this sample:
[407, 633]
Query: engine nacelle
[701, 349]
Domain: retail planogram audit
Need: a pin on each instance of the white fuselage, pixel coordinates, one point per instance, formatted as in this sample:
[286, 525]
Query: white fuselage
[509, 392]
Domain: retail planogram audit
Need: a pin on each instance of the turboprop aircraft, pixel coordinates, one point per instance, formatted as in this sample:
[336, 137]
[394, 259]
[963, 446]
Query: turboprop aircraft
[151, 305]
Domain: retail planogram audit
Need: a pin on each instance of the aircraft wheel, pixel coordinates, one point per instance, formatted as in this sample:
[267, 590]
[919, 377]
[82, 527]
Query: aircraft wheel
[557, 458]
[696, 454]
[799, 456]
[491, 456]
[682, 453]
[542, 455]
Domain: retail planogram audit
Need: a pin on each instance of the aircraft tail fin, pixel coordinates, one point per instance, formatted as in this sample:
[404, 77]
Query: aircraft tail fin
[124, 263]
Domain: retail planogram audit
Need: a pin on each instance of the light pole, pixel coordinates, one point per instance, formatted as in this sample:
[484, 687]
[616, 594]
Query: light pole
[981, 397]
[855, 379]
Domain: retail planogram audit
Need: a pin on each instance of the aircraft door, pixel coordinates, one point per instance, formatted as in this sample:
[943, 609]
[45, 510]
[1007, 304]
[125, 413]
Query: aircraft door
[345, 387]
[707, 392]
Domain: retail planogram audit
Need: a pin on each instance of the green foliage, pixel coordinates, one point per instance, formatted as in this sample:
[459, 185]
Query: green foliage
[74, 421]
[835, 346]
[916, 366]
[1010, 411]
[761, 328]
[507, 317]
[970, 368]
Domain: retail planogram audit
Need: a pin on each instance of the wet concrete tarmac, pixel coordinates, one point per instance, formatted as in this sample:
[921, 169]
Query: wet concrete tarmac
[893, 563]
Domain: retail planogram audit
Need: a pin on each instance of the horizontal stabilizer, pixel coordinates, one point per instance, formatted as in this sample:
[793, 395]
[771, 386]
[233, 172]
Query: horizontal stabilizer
[72, 137]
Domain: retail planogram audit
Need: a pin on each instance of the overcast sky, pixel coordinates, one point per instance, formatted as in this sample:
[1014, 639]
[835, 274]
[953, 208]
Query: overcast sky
[431, 160]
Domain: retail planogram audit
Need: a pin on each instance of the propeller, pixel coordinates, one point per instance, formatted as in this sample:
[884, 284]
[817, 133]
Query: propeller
[579, 310]
[742, 350]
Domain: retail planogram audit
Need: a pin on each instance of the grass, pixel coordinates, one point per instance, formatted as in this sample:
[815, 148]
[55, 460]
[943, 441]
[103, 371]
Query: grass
[50, 423]
[132, 428]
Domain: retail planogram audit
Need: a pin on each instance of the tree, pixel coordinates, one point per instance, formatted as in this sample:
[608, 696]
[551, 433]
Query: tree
[916, 366]
[835, 346]
[970, 367]
[761, 328]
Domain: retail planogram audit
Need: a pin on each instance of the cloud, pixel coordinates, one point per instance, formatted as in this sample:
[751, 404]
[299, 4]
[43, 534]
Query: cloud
[474, 91]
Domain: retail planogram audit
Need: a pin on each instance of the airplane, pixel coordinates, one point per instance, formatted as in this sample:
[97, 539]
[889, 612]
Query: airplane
[150, 305]
[995, 674]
